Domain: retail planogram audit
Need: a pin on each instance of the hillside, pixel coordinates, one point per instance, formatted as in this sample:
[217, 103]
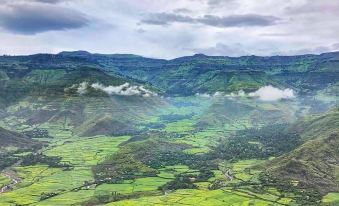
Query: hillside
[315, 163]
[12, 143]
[83, 97]
[13, 140]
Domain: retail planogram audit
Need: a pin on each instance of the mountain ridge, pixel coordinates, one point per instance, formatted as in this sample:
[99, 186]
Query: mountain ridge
[84, 52]
[185, 76]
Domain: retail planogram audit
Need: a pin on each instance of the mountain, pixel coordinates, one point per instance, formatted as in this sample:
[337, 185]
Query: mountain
[13, 142]
[94, 129]
[199, 73]
[80, 96]
[315, 163]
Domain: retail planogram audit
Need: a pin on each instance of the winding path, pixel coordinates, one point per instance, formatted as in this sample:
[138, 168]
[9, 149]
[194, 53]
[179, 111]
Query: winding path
[12, 175]
[228, 174]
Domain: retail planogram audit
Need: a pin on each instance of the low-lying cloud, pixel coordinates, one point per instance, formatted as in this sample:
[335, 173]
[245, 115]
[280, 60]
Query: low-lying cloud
[266, 93]
[122, 90]
[82, 88]
[270, 93]
[125, 90]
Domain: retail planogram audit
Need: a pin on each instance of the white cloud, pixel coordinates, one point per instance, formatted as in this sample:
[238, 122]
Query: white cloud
[240, 93]
[206, 95]
[203, 95]
[124, 90]
[82, 88]
[266, 93]
[270, 93]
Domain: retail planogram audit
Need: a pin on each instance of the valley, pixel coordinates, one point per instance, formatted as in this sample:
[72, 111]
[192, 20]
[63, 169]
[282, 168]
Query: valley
[82, 129]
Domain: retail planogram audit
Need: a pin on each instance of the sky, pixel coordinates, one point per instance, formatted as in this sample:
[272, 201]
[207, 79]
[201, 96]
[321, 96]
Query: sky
[170, 28]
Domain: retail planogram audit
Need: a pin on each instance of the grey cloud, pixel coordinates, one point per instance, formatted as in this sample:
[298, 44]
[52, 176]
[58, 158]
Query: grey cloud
[239, 20]
[166, 19]
[141, 30]
[32, 1]
[48, 1]
[211, 20]
[182, 10]
[218, 3]
[214, 2]
[35, 18]
[275, 34]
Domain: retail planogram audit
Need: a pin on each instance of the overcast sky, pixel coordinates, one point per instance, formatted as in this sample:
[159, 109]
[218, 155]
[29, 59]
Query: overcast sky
[170, 28]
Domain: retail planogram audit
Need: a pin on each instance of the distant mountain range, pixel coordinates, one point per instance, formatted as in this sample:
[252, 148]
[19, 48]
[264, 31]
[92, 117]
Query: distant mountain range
[199, 73]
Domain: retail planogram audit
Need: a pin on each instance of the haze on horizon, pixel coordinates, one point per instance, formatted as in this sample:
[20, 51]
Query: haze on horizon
[168, 29]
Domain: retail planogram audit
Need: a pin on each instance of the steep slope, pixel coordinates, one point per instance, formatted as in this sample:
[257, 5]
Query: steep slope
[53, 82]
[15, 140]
[315, 163]
[83, 97]
[12, 142]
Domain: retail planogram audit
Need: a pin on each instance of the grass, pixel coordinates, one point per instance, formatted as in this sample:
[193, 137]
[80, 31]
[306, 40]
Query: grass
[180, 126]
[87, 151]
[242, 170]
[196, 197]
[4, 180]
[331, 199]
[70, 198]
[57, 181]
[200, 141]
[81, 153]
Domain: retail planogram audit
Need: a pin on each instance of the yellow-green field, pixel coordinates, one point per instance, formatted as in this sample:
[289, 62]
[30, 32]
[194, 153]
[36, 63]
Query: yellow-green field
[198, 197]
[4, 180]
[331, 199]
[82, 153]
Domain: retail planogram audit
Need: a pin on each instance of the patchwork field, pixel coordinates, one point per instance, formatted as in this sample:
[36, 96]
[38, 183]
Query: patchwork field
[176, 157]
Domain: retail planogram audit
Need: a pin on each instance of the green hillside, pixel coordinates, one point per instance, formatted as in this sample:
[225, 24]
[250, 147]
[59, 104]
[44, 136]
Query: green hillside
[13, 141]
[315, 163]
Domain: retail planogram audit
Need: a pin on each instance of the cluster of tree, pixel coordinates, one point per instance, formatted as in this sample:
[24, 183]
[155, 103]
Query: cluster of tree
[303, 196]
[155, 125]
[204, 175]
[37, 133]
[186, 181]
[175, 117]
[106, 197]
[180, 182]
[272, 140]
[217, 184]
[51, 161]
[7, 160]
[45, 196]
[119, 167]
[143, 158]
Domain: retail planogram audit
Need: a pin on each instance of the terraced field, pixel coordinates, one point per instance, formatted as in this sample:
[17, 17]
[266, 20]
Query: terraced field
[171, 160]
